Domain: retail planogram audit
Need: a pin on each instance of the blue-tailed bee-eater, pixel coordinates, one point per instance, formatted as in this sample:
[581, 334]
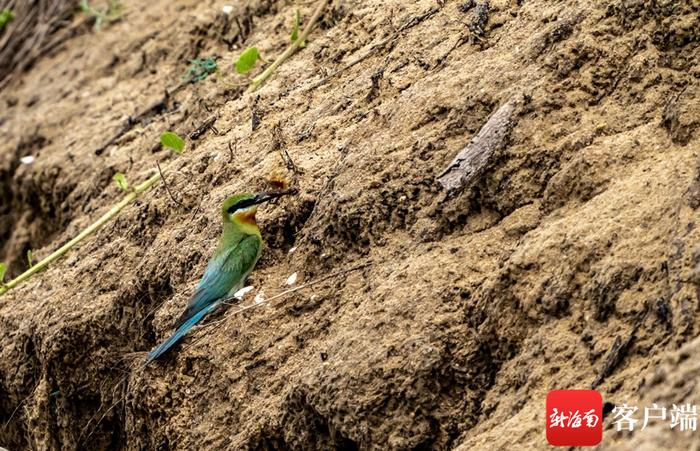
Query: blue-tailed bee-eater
[235, 257]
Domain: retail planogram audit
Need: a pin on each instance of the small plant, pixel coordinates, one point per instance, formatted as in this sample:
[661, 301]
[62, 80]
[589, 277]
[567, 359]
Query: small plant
[168, 139]
[247, 60]
[294, 37]
[120, 180]
[6, 17]
[111, 12]
[251, 55]
[298, 42]
[200, 69]
[172, 141]
[30, 258]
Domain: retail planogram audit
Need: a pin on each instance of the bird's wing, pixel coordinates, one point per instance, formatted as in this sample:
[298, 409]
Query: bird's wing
[223, 273]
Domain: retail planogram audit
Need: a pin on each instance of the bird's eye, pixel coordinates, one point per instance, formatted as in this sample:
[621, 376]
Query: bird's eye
[241, 204]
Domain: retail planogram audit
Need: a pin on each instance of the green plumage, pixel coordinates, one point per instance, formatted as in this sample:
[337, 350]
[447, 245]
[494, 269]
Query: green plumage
[234, 258]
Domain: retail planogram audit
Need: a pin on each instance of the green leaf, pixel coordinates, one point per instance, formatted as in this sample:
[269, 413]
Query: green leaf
[295, 31]
[106, 14]
[121, 181]
[247, 60]
[114, 10]
[30, 258]
[6, 17]
[172, 141]
[3, 268]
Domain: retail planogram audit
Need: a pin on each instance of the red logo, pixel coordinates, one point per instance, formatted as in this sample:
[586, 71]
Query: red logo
[574, 417]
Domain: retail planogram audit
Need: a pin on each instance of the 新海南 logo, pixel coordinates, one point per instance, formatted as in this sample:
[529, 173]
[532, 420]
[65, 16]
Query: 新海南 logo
[574, 417]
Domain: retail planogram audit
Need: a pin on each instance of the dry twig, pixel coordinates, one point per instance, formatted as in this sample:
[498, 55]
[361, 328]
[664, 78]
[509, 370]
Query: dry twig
[473, 160]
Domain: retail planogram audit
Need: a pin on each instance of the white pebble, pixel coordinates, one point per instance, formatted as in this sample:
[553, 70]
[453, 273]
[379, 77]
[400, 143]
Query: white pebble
[242, 292]
[29, 159]
[259, 298]
[227, 9]
[291, 280]
[291, 251]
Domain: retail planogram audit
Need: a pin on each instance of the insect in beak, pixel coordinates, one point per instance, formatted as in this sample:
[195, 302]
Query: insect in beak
[267, 196]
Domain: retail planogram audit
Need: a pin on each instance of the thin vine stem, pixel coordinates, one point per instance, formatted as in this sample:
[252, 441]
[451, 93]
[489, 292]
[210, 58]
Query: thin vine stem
[95, 226]
[291, 50]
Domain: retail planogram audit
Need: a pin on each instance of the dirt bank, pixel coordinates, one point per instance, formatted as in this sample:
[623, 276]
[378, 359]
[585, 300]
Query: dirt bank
[582, 231]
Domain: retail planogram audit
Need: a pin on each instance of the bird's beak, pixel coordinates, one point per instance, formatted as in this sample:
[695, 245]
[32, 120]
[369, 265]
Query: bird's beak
[269, 195]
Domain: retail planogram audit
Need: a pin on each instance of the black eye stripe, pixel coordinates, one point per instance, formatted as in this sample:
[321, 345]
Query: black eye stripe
[241, 204]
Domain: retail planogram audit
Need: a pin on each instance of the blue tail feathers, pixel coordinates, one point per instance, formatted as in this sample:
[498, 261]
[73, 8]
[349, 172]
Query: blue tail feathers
[179, 333]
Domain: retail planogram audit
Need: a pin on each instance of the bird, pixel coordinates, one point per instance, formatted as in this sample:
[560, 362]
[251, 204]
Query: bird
[234, 258]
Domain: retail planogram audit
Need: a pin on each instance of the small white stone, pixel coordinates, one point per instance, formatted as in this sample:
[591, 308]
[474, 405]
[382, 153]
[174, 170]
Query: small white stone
[259, 298]
[227, 9]
[291, 280]
[291, 251]
[242, 292]
[29, 159]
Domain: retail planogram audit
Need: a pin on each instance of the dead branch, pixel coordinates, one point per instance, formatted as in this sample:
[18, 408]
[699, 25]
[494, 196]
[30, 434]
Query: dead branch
[474, 159]
[619, 349]
[154, 109]
[615, 355]
[37, 28]
[206, 125]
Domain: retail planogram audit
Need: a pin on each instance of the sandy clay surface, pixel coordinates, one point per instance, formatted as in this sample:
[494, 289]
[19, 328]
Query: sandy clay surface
[573, 260]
